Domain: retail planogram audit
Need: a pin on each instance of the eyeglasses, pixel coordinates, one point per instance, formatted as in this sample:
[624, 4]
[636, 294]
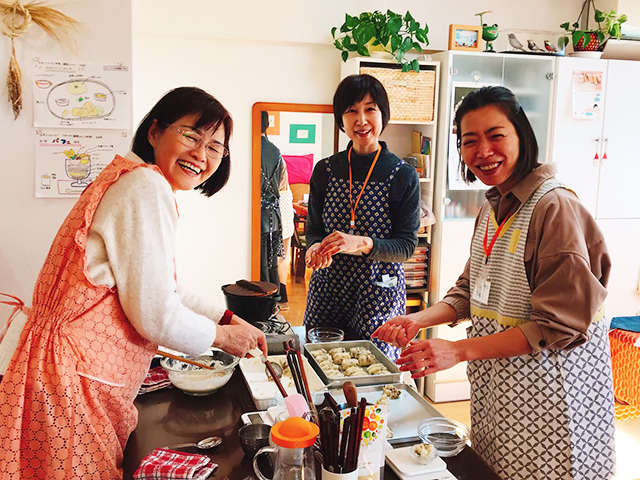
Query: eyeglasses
[191, 139]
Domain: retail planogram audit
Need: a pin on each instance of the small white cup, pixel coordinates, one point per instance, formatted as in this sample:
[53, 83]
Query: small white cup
[339, 476]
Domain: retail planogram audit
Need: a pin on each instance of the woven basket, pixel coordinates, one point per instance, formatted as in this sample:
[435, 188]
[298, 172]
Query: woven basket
[411, 94]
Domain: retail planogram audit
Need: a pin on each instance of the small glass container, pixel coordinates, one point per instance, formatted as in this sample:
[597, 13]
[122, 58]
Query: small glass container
[448, 436]
[325, 334]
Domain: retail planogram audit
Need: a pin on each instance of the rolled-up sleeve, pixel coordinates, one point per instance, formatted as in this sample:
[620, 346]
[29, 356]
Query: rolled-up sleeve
[568, 269]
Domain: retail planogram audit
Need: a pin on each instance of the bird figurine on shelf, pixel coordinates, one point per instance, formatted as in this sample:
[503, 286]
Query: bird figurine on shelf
[515, 43]
[550, 47]
[533, 47]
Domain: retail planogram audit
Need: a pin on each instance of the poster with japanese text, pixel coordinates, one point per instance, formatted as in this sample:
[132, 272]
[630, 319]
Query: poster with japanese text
[587, 95]
[68, 161]
[81, 95]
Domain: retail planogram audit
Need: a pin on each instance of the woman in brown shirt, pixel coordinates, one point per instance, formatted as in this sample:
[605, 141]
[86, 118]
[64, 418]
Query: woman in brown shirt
[539, 362]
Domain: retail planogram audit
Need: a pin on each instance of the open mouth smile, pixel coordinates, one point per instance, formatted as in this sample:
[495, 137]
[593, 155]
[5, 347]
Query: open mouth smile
[189, 167]
[363, 133]
[489, 167]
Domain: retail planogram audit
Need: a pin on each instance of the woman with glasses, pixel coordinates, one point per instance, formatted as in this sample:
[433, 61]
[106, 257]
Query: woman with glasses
[107, 296]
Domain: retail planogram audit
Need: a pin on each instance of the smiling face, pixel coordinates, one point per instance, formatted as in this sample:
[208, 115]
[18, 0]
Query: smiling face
[490, 146]
[363, 125]
[184, 167]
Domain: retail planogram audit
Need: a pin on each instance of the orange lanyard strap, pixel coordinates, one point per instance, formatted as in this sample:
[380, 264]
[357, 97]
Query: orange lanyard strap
[487, 250]
[353, 207]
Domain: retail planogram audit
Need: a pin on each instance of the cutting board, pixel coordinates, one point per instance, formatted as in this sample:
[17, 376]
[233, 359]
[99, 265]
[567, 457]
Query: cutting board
[401, 462]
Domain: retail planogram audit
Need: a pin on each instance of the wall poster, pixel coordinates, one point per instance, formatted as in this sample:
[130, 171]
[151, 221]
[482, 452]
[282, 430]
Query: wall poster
[587, 95]
[67, 162]
[81, 95]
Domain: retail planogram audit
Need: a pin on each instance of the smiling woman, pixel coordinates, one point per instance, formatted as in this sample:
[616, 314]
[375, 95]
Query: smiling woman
[107, 296]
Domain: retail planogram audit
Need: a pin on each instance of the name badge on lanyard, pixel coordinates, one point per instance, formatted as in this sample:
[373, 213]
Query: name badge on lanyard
[352, 224]
[483, 282]
[482, 287]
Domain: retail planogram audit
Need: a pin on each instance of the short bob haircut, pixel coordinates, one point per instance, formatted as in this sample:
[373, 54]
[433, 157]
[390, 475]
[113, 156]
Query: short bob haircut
[506, 101]
[353, 89]
[176, 104]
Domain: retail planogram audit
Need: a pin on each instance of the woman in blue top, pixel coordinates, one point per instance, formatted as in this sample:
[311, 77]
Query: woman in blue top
[364, 215]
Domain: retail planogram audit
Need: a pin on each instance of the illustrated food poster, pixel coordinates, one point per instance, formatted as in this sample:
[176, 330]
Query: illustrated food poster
[67, 162]
[83, 115]
[81, 95]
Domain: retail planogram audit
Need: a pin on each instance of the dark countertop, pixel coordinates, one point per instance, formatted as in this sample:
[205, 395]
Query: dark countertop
[169, 417]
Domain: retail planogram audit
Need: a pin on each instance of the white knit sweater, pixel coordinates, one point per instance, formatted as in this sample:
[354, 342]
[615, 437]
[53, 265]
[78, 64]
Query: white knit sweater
[130, 246]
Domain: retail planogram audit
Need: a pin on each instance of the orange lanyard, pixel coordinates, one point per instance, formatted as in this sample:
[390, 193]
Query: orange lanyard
[353, 207]
[487, 250]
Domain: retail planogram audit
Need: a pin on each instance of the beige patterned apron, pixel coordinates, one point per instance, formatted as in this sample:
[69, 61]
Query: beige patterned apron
[547, 415]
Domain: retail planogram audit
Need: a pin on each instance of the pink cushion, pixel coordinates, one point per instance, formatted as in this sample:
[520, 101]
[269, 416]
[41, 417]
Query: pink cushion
[299, 167]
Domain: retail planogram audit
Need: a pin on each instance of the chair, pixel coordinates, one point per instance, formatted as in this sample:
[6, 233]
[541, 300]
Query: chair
[298, 248]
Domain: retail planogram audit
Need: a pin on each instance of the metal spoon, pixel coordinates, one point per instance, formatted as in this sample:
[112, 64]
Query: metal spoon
[203, 444]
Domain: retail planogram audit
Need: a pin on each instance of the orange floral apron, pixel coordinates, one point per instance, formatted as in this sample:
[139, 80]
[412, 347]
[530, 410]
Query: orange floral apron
[66, 400]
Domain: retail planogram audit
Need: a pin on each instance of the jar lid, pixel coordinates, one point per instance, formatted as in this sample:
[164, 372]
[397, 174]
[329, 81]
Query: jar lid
[294, 432]
[245, 288]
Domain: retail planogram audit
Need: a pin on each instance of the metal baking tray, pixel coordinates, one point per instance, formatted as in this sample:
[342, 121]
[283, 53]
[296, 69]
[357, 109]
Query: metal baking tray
[392, 377]
[405, 412]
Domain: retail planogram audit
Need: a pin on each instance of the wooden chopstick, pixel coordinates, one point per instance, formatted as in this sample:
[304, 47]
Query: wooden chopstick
[184, 360]
[275, 378]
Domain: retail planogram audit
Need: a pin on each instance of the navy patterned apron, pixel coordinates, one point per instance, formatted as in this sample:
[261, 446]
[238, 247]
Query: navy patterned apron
[345, 294]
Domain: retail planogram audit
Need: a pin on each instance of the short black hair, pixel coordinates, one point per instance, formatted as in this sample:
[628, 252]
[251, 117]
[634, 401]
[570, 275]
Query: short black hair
[353, 89]
[505, 100]
[264, 121]
[176, 104]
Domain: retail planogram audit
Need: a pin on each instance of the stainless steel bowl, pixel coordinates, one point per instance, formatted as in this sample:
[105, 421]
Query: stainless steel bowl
[253, 437]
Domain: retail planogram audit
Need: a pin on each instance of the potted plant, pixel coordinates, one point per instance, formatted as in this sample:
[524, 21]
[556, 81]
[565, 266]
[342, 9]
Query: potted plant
[609, 25]
[389, 32]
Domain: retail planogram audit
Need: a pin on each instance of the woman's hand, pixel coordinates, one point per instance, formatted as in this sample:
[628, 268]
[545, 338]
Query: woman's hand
[398, 331]
[315, 260]
[340, 242]
[425, 357]
[239, 337]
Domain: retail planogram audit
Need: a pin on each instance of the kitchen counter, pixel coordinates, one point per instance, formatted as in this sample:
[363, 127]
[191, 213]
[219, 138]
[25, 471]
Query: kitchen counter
[169, 417]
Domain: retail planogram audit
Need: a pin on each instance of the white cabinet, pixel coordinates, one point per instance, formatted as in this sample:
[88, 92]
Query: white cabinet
[598, 158]
[456, 204]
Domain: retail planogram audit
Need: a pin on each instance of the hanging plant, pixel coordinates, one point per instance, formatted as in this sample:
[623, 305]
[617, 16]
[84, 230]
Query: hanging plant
[609, 25]
[15, 20]
[389, 32]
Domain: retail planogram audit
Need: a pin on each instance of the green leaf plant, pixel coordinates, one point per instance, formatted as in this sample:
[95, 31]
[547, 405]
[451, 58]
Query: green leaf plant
[609, 25]
[389, 32]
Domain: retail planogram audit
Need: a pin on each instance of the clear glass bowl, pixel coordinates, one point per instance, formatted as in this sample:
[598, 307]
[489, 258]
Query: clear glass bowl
[448, 436]
[325, 334]
[428, 453]
[200, 381]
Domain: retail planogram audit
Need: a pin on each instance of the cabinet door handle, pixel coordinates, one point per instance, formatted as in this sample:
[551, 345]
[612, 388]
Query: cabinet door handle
[596, 158]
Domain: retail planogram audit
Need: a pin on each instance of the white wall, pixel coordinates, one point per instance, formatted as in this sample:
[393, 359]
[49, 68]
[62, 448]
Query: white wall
[28, 224]
[280, 51]
[242, 52]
